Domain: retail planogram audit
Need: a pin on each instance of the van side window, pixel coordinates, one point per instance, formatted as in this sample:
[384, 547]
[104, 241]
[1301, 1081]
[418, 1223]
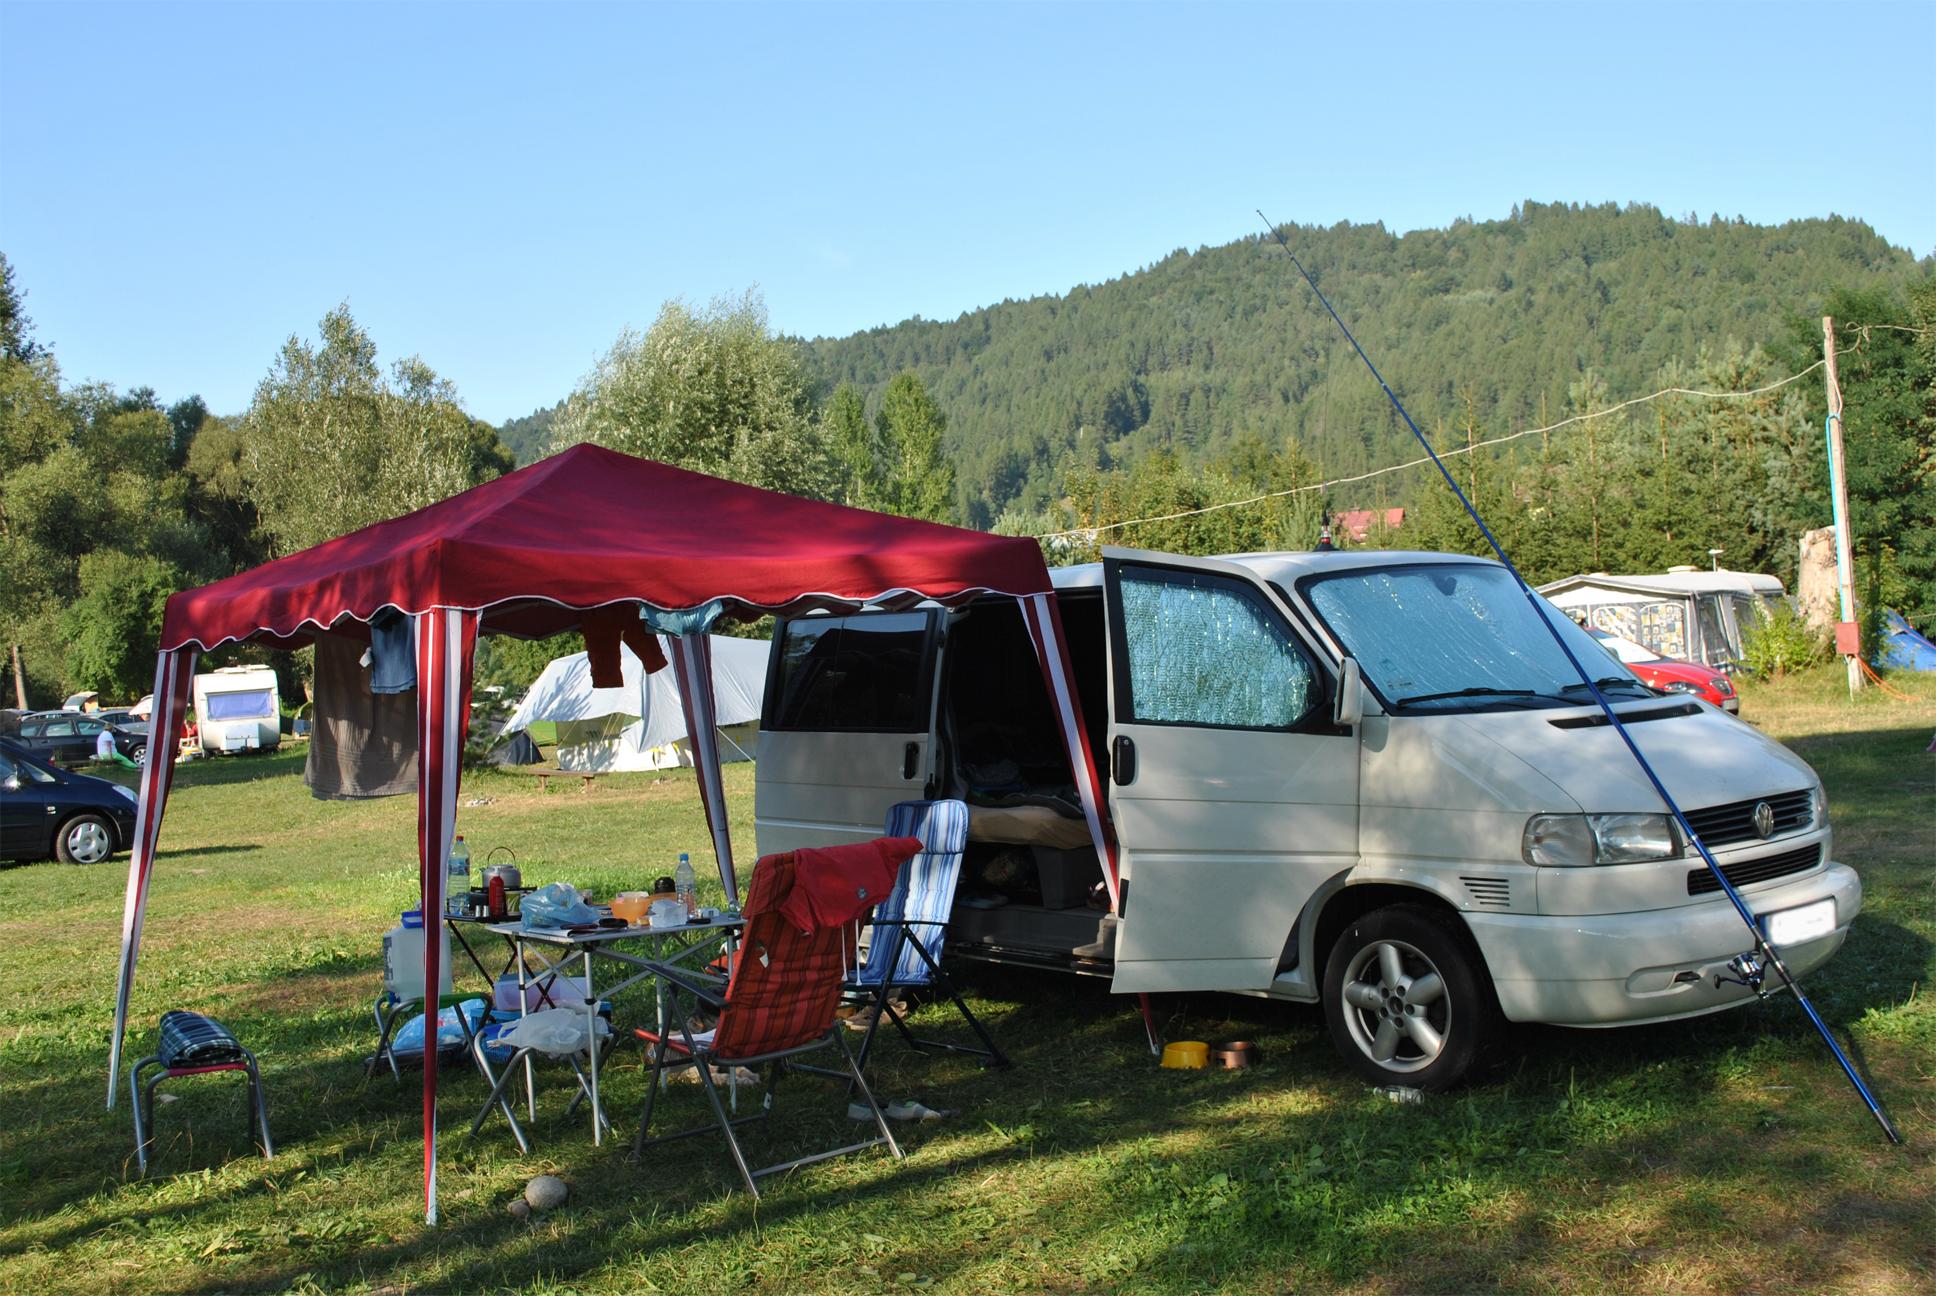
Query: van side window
[867, 674]
[1207, 650]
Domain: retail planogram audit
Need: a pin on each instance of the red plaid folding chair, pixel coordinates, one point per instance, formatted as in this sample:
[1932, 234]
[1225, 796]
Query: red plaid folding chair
[778, 1006]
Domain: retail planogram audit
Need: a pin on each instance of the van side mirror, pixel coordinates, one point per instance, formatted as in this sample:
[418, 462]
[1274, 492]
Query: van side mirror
[1351, 695]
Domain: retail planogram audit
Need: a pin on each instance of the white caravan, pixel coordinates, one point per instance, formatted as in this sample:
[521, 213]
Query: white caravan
[238, 708]
[1368, 780]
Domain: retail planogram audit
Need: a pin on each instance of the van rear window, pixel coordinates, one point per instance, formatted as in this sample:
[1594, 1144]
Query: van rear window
[867, 673]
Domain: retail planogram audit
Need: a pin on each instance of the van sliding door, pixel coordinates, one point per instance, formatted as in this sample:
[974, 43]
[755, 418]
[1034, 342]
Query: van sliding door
[848, 725]
[1233, 793]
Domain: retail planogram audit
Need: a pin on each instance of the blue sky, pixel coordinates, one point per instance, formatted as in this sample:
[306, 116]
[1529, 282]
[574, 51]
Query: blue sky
[502, 189]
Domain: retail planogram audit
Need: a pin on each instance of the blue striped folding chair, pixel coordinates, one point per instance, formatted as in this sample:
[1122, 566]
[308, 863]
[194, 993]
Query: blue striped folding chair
[911, 928]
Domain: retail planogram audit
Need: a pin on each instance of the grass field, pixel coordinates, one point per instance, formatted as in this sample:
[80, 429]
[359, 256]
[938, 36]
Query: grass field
[1721, 1155]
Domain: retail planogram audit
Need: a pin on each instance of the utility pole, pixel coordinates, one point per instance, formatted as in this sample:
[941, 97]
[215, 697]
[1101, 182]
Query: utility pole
[1848, 639]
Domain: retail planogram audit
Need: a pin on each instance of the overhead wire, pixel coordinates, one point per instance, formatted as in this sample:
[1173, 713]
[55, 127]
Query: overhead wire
[1091, 532]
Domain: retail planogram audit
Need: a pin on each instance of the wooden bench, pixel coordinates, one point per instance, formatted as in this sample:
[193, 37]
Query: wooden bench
[544, 777]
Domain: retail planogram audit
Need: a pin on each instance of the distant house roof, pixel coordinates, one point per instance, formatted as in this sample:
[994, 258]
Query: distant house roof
[1356, 524]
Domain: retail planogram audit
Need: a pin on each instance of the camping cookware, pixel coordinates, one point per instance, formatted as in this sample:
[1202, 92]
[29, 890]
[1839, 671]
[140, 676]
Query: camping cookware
[1234, 1055]
[506, 868]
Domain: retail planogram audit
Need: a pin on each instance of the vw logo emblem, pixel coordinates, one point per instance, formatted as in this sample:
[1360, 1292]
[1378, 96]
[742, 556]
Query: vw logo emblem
[1764, 820]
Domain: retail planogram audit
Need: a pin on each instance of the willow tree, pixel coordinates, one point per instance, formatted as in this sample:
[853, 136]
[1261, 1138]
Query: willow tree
[712, 390]
[333, 444]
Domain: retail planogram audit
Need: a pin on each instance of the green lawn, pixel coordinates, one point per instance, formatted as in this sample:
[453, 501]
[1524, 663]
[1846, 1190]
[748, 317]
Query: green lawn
[1720, 1155]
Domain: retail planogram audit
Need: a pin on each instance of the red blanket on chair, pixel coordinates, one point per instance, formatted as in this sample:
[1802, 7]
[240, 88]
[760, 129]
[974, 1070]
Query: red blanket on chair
[834, 885]
[786, 981]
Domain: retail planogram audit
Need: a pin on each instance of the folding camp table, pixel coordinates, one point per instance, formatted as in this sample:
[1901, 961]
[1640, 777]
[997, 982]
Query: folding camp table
[553, 949]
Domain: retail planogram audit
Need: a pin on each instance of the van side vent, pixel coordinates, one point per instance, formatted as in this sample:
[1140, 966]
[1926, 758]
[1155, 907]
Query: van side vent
[1489, 892]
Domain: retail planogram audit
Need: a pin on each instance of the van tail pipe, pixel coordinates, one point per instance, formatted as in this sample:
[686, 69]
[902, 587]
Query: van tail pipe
[1750, 966]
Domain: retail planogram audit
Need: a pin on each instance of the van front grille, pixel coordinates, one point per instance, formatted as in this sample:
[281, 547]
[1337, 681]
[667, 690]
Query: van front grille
[1489, 892]
[1723, 825]
[1703, 882]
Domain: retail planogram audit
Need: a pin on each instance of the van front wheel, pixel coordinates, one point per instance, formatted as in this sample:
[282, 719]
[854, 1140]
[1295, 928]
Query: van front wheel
[1407, 999]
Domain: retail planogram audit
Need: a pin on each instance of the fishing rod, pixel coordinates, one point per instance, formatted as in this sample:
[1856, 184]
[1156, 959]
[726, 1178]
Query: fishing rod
[1750, 968]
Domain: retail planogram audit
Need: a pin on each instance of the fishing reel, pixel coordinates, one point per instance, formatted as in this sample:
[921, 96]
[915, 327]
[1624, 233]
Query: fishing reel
[1748, 971]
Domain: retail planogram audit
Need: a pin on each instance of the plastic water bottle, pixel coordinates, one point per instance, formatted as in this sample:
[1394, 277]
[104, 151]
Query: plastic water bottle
[685, 886]
[457, 879]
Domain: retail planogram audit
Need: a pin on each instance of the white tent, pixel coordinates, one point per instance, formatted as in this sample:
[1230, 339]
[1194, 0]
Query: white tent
[641, 724]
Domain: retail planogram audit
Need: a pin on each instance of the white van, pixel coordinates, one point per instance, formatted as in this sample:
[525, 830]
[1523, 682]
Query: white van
[1368, 780]
[238, 708]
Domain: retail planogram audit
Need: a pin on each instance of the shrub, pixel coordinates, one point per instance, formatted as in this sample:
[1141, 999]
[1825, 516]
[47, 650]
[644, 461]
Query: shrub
[1779, 642]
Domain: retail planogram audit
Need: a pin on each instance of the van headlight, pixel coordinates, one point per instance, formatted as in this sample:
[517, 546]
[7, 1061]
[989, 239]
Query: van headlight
[1575, 841]
[1818, 806]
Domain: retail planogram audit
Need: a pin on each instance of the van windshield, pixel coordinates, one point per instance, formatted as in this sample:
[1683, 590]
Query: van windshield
[1458, 637]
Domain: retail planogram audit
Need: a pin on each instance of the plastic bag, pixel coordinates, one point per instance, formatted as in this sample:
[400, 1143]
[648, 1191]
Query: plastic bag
[557, 905]
[555, 1031]
[409, 1039]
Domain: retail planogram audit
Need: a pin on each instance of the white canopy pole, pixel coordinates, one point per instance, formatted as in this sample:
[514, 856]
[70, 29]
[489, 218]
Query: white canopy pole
[446, 640]
[174, 683]
[1044, 622]
[692, 661]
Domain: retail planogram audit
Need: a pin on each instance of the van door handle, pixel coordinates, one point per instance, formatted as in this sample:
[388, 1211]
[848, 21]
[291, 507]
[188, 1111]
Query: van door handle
[1122, 762]
[910, 760]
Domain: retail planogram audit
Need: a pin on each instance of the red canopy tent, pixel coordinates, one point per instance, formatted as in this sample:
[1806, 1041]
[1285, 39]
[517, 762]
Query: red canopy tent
[585, 537]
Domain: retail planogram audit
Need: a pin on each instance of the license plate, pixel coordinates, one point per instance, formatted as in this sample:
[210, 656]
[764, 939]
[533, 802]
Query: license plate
[1793, 926]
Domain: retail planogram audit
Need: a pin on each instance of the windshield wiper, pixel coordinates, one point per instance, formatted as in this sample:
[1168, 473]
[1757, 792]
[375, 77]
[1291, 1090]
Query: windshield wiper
[1478, 691]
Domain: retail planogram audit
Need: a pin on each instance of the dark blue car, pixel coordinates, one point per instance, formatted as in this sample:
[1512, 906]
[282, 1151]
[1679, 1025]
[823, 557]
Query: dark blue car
[48, 812]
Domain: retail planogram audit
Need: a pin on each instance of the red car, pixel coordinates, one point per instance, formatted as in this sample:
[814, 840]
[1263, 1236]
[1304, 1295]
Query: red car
[1669, 674]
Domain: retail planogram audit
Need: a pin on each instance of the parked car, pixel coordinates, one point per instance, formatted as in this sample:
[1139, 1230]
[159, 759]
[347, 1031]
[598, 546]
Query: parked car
[72, 738]
[1670, 675]
[51, 813]
[124, 720]
[1368, 780]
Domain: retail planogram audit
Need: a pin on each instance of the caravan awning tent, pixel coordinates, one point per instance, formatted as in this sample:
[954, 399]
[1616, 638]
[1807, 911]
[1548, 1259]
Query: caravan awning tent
[642, 724]
[1697, 616]
[591, 540]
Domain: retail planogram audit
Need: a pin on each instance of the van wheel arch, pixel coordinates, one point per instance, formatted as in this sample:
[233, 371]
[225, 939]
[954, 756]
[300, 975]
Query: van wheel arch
[1350, 903]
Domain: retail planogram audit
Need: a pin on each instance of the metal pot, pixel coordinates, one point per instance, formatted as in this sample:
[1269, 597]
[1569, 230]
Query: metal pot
[509, 872]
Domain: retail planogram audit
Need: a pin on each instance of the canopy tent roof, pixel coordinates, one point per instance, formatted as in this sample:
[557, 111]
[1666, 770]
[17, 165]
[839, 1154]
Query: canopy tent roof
[534, 553]
[564, 692]
[588, 527]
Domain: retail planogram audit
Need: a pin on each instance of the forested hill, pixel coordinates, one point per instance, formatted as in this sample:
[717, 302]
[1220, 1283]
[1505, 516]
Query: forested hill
[1205, 346]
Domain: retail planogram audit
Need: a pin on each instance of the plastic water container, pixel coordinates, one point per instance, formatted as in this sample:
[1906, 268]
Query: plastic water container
[685, 885]
[457, 878]
[561, 992]
[403, 955]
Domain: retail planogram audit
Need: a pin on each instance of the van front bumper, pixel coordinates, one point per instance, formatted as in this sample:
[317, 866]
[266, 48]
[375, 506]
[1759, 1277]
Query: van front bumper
[1629, 968]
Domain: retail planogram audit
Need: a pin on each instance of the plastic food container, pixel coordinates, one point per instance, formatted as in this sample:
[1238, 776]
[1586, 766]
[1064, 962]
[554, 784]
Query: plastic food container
[631, 906]
[1186, 1055]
